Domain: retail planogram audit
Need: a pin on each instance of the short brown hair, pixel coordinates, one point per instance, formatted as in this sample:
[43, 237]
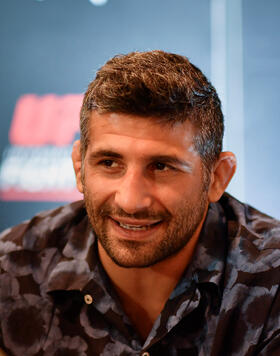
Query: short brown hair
[161, 85]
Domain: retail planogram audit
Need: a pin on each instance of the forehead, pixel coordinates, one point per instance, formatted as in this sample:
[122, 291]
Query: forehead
[146, 130]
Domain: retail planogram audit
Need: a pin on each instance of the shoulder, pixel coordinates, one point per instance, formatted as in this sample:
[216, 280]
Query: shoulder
[30, 251]
[46, 229]
[253, 245]
[251, 300]
[244, 221]
[253, 255]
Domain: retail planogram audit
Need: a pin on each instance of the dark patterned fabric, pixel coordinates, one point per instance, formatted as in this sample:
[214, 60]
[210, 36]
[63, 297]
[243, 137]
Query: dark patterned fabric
[54, 302]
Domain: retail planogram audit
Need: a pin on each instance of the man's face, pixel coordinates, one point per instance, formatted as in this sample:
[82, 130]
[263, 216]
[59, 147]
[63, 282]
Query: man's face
[143, 187]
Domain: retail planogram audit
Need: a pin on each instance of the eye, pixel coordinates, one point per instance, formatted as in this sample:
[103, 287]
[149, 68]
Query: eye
[108, 163]
[160, 166]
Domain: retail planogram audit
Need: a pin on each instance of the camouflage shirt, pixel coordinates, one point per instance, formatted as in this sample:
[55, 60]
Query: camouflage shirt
[53, 301]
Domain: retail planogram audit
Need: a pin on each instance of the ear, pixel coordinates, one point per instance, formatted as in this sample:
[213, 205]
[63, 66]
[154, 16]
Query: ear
[77, 164]
[221, 175]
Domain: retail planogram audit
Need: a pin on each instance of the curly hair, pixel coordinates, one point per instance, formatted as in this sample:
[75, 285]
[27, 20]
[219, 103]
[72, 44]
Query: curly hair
[159, 85]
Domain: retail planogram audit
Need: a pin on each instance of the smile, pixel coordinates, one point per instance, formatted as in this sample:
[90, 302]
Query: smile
[137, 227]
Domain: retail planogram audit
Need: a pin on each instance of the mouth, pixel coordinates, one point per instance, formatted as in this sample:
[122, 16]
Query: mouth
[138, 226]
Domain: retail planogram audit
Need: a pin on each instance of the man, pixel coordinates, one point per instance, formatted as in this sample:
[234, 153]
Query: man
[160, 261]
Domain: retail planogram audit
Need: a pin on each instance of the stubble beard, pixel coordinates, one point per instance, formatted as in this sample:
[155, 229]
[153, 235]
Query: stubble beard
[180, 227]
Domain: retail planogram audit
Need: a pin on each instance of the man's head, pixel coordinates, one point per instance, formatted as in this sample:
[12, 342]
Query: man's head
[150, 159]
[161, 85]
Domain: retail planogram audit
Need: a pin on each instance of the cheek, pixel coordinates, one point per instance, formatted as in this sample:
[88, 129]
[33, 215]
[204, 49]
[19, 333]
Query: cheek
[170, 198]
[186, 191]
[97, 188]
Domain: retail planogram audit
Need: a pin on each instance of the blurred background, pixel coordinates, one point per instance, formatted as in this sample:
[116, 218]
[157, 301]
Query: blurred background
[51, 49]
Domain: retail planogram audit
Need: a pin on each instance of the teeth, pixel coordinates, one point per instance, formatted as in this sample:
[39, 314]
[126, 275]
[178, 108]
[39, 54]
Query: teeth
[134, 227]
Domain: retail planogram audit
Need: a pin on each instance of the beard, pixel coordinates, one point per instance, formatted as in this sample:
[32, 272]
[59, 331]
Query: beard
[174, 233]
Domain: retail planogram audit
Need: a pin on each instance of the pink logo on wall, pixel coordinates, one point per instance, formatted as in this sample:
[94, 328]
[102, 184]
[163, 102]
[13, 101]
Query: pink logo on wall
[37, 163]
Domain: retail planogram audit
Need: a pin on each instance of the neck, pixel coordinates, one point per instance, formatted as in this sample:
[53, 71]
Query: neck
[144, 291]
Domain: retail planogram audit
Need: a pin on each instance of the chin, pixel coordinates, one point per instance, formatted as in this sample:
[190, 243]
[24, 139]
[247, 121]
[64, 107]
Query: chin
[130, 254]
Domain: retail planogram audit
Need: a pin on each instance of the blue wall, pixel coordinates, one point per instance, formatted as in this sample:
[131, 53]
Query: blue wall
[261, 50]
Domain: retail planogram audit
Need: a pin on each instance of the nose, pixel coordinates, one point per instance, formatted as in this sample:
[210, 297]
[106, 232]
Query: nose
[133, 193]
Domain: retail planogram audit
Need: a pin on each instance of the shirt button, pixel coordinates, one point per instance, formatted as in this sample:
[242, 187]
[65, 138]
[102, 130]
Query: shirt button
[88, 299]
[145, 354]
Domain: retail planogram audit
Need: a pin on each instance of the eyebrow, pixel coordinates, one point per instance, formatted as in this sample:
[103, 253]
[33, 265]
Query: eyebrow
[173, 160]
[104, 153]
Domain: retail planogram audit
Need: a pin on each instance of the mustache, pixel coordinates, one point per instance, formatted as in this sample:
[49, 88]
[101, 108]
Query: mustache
[107, 210]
